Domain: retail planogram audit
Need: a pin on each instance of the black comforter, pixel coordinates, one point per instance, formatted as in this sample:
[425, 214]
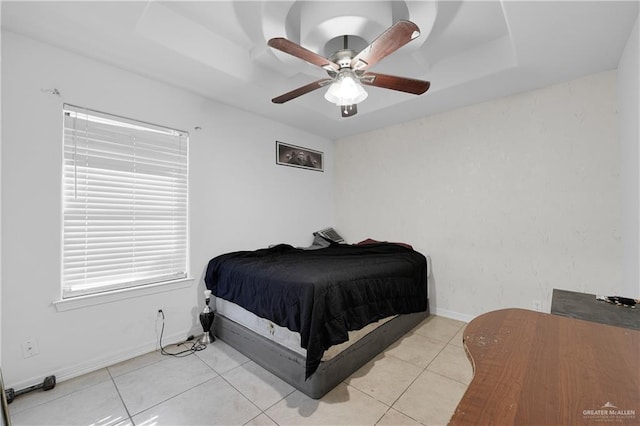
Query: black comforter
[322, 294]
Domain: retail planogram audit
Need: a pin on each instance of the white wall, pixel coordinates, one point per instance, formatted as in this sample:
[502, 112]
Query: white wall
[511, 198]
[239, 199]
[629, 111]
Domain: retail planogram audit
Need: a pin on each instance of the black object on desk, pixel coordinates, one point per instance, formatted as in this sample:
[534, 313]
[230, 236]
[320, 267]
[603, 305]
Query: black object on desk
[584, 306]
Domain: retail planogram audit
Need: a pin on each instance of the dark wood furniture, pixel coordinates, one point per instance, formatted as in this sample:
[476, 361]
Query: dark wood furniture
[289, 365]
[584, 306]
[532, 368]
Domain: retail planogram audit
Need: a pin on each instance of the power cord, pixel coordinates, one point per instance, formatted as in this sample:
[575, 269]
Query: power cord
[195, 347]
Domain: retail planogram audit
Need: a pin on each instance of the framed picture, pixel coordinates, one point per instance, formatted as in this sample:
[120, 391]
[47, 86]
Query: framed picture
[297, 156]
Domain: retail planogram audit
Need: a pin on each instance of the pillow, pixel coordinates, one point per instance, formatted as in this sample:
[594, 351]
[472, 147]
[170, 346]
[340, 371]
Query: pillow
[368, 241]
[318, 243]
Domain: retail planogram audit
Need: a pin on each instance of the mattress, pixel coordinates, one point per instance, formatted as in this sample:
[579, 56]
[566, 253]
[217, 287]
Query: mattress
[283, 336]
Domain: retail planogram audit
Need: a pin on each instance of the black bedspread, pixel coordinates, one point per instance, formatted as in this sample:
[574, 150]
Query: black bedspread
[322, 294]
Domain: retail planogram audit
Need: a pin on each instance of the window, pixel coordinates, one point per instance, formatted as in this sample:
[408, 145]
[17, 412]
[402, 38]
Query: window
[124, 203]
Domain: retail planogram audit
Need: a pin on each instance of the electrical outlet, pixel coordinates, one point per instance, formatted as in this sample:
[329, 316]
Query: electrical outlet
[537, 305]
[30, 348]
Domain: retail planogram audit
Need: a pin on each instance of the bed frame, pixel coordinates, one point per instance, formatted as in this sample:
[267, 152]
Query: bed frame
[290, 365]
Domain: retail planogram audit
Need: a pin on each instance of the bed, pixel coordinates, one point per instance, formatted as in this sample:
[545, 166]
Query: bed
[358, 298]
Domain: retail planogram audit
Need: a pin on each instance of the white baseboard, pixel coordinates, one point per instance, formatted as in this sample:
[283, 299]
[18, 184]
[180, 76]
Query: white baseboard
[452, 315]
[88, 366]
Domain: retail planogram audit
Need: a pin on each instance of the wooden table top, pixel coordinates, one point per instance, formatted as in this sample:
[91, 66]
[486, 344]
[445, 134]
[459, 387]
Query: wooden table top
[532, 368]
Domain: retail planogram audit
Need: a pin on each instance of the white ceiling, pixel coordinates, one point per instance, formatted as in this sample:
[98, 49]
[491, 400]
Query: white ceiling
[470, 51]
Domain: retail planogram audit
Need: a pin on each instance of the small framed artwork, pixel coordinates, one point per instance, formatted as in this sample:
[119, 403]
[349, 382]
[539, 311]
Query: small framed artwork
[297, 156]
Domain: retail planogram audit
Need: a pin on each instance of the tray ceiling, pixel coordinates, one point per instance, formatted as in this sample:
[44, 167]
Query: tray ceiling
[470, 51]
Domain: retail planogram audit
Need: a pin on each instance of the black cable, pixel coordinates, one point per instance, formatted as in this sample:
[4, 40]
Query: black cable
[196, 347]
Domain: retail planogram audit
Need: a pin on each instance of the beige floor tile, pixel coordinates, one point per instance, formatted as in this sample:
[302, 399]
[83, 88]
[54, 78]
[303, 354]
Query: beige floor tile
[221, 357]
[396, 418]
[415, 349]
[384, 378]
[439, 328]
[153, 384]
[258, 385]
[261, 420]
[95, 405]
[431, 399]
[457, 339]
[61, 389]
[214, 402]
[135, 363]
[344, 405]
[418, 380]
[453, 363]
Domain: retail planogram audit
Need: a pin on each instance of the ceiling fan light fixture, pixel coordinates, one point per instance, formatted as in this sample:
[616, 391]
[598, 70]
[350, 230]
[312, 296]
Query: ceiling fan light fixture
[348, 70]
[346, 90]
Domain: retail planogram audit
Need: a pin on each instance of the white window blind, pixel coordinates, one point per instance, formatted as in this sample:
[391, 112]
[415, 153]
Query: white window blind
[124, 203]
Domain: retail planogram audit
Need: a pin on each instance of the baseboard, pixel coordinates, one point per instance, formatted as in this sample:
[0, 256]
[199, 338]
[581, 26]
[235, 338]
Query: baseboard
[95, 364]
[451, 314]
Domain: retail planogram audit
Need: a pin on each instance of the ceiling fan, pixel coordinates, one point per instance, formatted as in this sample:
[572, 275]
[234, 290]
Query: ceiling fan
[348, 70]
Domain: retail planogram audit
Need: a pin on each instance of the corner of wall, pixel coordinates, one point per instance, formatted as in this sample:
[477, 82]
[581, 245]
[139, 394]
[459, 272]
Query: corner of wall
[628, 94]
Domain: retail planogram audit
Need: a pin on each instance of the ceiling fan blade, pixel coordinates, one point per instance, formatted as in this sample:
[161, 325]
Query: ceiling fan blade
[401, 84]
[348, 110]
[298, 51]
[301, 91]
[399, 34]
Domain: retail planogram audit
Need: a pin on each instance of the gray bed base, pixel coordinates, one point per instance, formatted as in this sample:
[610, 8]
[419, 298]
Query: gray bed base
[290, 365]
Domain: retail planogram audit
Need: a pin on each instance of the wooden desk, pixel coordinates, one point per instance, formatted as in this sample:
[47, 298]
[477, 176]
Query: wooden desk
[532, 368]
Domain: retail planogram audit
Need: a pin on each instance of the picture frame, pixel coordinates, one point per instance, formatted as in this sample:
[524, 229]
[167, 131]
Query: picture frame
[300, 157]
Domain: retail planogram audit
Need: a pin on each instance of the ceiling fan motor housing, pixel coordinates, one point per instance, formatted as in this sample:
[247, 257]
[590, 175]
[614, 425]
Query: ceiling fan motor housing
[343, 57]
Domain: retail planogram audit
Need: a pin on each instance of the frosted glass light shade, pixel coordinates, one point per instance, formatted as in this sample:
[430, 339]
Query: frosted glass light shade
[346, 90]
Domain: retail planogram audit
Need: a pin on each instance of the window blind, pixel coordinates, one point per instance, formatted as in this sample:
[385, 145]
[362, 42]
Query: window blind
[125, 203]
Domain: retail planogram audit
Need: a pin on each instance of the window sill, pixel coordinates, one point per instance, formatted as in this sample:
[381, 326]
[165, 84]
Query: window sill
[115, 295]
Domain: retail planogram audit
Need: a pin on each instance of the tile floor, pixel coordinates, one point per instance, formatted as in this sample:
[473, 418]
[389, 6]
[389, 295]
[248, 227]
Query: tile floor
[418, 380]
